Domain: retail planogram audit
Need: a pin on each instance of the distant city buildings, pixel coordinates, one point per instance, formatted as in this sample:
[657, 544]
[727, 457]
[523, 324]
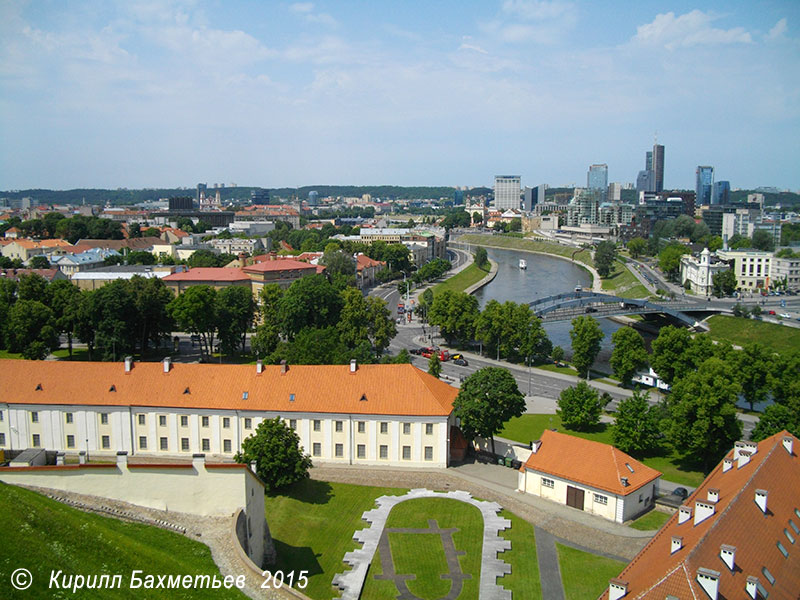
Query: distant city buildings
[506, 191]
[704, 184]
[313, 198]
[721, 193]
[597, 179]
[658, 167]
[651, 179]
[533, 197]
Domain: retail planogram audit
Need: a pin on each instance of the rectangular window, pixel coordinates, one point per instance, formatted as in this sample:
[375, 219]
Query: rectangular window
[226, 422]
[600, 499]
[783, 550]
[768, 575]
[794, 527]
[339, 450]
[317, 449]
[339, 426]
[317, 425]
[34, 417]
[361, 451]
[184, 421]
[184, 444]
[204, 421]
[142, 442]
[788, 535]
[248, 423]
[428, 452]
[2, 439]
[384, 427]
[1, 416]
[106, 442]
[293, 424]
[69, 417]
[141, 419]
[226, 445]
[428, 428]
[362, 427]
[206, 445]
[162, 420]
[70, 441]
[384, 451]
[164, 444]
[103, 418]
[406, 428]
[35, 440]
[548, 483]
[406, 452]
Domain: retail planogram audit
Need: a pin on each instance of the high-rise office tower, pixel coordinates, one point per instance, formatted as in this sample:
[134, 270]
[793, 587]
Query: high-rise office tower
[704, 185]
[648, 161]
[506, 192]
[597, 177]
[658, 167]
[722, 192]
[614, 193]
[201, 190]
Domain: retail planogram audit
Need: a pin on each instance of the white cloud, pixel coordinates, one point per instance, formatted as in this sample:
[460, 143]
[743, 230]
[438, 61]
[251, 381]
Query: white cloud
[465, 46]
[302, 7]
[778, 30]
[690, 29]
[306, 9]
[532, 21]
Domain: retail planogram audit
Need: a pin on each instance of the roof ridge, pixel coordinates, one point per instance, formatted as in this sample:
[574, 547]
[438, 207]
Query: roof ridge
[424, 378]
[616, 464]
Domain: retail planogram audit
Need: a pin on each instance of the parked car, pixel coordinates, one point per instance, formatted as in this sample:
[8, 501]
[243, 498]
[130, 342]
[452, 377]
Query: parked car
[785, 316]
[591, 309]
[416, 351]
[771, 312]
[681, 492]
[456, 356]
[461, 362]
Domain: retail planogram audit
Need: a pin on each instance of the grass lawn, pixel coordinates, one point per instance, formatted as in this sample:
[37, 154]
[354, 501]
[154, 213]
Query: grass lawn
[585, 575]
[77, 354]
[524, 577]
[515, 243]
[624, 283]
[423, 554]
[651, 521]
[462, 280]
[48, 535]
[7, 354]
[530, 427]
[739, 331]
[564, 368]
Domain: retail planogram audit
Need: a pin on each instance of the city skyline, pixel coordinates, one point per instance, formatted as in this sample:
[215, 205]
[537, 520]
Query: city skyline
[158, 94]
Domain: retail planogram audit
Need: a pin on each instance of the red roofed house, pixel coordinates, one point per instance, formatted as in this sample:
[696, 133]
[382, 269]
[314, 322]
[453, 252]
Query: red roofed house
[589, 476]
[216, 277]
[736, 536]
[283, 271]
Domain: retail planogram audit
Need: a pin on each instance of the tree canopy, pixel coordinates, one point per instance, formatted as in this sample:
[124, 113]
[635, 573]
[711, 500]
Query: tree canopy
[628, 355]
[604, 257]
[580, 407]
[637, 427]
[275, 448]
[586, 336]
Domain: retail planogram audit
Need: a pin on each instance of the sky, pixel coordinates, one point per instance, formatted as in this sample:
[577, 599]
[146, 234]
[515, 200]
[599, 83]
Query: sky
[105, 94]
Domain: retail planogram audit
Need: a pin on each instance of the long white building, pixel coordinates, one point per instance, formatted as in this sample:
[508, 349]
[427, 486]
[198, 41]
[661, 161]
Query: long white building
[353, 414]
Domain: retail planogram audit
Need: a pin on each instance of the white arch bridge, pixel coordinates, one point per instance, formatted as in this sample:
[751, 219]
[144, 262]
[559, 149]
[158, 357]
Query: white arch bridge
[565, 307]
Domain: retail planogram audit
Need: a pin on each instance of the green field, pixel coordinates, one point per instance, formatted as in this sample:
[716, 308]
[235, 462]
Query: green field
[741, 331]
[515, 243]
[585, 575]
[623, 283]
[462, 280]
[41, 535]
[530, 427]
[651, 521]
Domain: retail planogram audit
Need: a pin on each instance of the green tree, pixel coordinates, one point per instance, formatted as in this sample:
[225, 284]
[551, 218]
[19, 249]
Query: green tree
[724, 283]
[604, 257]
[31, 330]
[628, 355]
[455, 314]
[774, 419]
[586, 336]
[579, 407]
[338, 262]
[784, 381]
[669, 259]
[488, 398]
[32, 287]
[153, 322]
[112, 308]
[637, 246]
[322, 346]
[39, 262]
[268, 332]
[557, 354]
[134, 230]
[489, 326]
[140, 257]
[754, 364]
[403, 358]
[380, 324]
[763, 240]
[481, 257]
[194, 311]
[63, 298]
[235, 309]
[275, 448]
[668, 349]
[702, 412]
[637, 425]
[714, 243]
[311, 301]
[434, 365]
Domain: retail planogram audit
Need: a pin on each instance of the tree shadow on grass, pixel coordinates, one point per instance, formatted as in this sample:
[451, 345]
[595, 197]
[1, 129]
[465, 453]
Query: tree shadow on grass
[296, 558]
[306, 490]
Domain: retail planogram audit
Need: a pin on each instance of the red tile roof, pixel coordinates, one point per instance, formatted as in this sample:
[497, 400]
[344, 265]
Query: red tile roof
[208, 274]
[283, 264]
[737, 521]
[372, 389]
[591, 463]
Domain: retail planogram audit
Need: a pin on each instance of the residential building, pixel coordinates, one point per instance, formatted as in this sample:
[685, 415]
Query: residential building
[237, 245]
[69, 264]
[698, 272]
[704, 184]
[589, 476]
[216, 277]
[50, 275]
[736, 536]
[788, 270]
[97, 278]
[25, 249]
[376, 415]
[584, 207]
[751, 267]
[506, 191]
[283, 271]
[614, 193]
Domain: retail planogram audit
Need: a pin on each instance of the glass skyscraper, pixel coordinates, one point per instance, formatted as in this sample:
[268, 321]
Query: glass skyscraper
[597, 177]
[722, 192]
[658, 167]
[704, 185]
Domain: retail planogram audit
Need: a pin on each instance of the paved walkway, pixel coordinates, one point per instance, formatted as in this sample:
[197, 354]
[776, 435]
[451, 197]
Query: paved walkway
[549, 572]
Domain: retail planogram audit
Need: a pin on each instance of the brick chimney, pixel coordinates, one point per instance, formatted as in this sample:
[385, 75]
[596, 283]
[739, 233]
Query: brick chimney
[128, 364]
[259, 366]
[761, 500]
[751, 587]
[703, 510]
[727, 464]
[728, 555]
[676, 544]
[787, 443]
[617, 588]
[353, 365]
[284, 367]
[709, 581]
[167, 362]
[684, 514]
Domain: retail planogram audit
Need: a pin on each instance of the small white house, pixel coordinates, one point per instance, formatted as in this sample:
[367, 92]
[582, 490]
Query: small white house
[590, 476]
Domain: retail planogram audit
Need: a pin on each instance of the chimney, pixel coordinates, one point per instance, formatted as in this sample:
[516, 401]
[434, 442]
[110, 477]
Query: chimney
[728, 554]
[128, 364]
[167, 364]
[284, 367]
[122, 460]
[82, 457]
[199, 462]
[535, 445]
[353, 365]
[709, 581]
[684, 514]
[259, 366]
[751, 587]
[702, 510]
[624, 481]
[253, 466]
[677, 544]
[744, 446]
[617, 588]
[727, 464]
[761, 500]
[787, 443]
[60, 459]
[713, 495]
[744, 458]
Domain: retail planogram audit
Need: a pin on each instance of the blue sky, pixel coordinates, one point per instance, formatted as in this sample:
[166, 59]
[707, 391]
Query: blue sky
[171, 93]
